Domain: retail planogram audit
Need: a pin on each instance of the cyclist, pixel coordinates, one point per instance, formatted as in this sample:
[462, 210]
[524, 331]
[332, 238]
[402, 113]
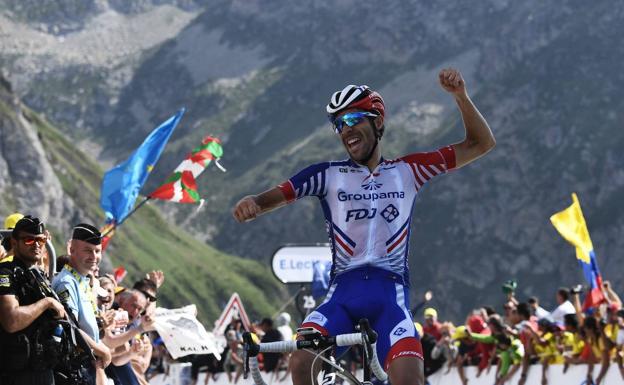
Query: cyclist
[367, 202]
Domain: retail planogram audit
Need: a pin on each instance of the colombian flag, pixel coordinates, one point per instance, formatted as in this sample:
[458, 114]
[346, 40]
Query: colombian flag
[571, 225]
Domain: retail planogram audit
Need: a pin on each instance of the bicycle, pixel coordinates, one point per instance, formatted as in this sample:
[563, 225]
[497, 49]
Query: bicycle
[313, 340]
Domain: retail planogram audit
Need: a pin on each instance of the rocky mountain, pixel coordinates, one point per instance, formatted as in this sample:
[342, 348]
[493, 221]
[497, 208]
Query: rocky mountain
[258, 73]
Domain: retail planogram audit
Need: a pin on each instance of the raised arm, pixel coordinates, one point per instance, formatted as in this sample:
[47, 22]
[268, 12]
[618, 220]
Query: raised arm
[249, 207]
[479, 138]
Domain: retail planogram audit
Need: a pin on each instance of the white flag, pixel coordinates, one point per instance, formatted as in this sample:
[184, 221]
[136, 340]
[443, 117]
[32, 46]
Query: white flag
[183, 334]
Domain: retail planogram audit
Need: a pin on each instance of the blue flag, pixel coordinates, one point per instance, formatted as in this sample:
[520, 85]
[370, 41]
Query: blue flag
[320, 278]
[121, 184]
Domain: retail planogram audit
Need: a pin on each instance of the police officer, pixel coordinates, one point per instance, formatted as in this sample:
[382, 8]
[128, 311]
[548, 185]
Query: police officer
[72, 287]
[27, 353]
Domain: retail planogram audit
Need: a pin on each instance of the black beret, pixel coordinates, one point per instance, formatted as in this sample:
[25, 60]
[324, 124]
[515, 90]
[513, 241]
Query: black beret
[28, 224]
[88, 233]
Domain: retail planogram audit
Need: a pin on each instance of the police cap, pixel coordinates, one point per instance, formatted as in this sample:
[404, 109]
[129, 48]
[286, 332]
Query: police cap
[88, 233]
[28, 224]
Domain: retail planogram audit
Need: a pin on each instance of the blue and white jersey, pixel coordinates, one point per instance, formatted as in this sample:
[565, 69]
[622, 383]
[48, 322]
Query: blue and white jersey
[367, 213]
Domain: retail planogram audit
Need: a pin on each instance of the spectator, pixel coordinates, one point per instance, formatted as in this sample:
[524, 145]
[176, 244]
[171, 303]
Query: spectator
[9, 224]
[233, 358]
[271, 360]
[571, 325]
[508, 309]
[526, 326]
[547, 343]
[72, 287]
[467, 351]
[22, 311]
[107, 283]
[428, 343]
[564, 307]
[476, 324]
[432, 326]
[536, 309]
[199, 361]
[105, 298]
[129, 343]
[283, 325]
[445, 350]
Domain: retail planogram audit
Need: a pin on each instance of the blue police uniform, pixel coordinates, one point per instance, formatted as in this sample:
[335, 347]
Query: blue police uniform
[73, 289]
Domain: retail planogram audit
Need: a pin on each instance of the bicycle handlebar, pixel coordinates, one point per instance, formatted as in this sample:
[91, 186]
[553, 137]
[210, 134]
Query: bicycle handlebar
[366, 337]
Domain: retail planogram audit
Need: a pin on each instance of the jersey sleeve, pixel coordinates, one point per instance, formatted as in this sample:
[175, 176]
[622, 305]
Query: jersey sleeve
[427, 165]
[7, 286]
[311, 181]
[67, 294]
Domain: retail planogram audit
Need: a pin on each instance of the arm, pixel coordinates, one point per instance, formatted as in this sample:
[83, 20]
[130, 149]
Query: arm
[122, 355]
[486, 339]
[115, 340]
[141, 361]
[14, 317]
[610, 294]
[251, 206]
[101, 351]
[479, 138]
[576, 301]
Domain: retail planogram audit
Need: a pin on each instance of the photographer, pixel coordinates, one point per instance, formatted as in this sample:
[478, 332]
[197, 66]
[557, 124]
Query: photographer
[565, 306]
[28, 324]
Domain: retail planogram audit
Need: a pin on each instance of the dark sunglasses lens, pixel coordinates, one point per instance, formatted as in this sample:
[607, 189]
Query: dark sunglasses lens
[337, 126]
[31, 241]
[351, 120]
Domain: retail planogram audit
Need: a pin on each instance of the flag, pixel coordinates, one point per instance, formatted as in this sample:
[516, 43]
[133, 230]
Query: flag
[570, 223]
[122, 183]
[107, 231]
[181, 186]
[320, 278]
[119, 273]
[183, 334]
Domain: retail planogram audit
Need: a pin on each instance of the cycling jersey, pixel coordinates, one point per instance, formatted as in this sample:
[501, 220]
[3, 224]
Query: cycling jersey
[368, 214]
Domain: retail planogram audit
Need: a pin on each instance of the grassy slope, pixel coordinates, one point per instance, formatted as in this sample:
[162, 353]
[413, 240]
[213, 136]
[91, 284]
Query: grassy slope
[196, 273]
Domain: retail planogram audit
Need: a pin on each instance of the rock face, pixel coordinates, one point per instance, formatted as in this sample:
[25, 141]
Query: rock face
[28, 183]
[257, 73]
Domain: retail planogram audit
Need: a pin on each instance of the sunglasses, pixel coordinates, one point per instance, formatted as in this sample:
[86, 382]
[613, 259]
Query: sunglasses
[149, 297]
[351, 119]
[29, 241]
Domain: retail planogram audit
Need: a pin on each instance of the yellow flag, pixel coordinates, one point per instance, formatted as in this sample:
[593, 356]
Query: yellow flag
[571, 225]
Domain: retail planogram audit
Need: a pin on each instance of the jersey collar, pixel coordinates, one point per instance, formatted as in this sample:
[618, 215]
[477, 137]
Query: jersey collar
[354, 164]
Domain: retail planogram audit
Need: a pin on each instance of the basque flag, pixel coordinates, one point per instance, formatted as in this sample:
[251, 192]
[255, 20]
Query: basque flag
[571, 225]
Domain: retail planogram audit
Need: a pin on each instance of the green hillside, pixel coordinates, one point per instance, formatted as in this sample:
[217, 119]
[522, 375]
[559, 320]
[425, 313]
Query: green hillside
[195, 272]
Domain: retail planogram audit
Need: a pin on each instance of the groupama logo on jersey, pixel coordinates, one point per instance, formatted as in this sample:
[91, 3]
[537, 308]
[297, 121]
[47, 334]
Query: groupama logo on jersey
[343, 196]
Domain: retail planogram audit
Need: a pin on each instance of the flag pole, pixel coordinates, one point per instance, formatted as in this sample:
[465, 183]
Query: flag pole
[116, 225]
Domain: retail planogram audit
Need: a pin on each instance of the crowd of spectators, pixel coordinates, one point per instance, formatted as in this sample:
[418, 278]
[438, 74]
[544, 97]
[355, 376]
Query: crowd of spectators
[116, 322]
[525, 336]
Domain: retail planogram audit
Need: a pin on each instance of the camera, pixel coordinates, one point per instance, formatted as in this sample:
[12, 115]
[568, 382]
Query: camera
[509, 286]
[120, 321]
[576, 289]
